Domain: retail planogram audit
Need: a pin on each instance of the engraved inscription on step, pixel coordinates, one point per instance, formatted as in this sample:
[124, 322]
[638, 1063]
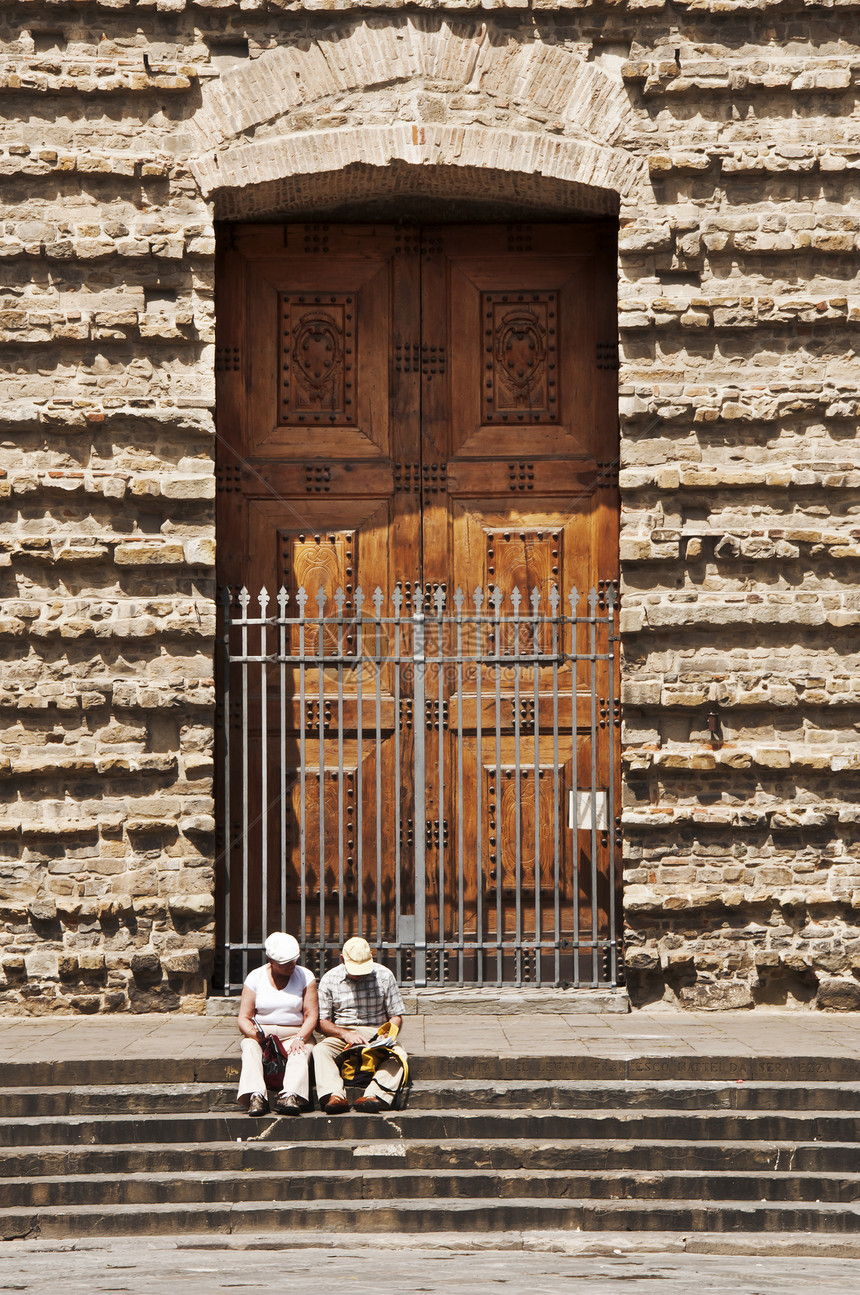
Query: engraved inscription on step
[317, 359]
[520, 378]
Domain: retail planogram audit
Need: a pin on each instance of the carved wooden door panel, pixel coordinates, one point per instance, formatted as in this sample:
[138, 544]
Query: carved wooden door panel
[402, 406]
[317, 459]
[519, 423]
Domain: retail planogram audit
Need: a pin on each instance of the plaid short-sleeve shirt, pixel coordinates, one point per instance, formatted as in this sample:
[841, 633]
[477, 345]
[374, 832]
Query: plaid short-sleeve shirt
[372, 1000]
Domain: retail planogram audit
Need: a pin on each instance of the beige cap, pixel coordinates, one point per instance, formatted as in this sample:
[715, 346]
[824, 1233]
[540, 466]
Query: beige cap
[357, 956]
[281, 947]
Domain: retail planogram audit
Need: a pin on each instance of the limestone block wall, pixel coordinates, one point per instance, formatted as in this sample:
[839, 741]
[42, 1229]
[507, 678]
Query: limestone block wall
[106, 532]
[739, 316]
[737, 160]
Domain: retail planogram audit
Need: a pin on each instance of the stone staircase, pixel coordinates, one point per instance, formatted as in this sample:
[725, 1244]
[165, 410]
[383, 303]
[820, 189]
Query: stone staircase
[486, 1144]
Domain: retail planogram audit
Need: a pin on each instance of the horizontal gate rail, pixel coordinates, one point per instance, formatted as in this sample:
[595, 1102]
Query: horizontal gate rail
[439, 777]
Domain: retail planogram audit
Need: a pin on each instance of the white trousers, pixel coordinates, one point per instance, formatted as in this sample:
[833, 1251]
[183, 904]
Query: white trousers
[295, 1076]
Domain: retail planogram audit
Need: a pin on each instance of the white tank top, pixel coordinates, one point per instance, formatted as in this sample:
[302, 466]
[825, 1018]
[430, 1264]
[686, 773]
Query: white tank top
[279, 1006]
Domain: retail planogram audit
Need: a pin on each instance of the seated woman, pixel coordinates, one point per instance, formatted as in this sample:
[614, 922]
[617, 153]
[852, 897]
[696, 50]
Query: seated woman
[278, 998]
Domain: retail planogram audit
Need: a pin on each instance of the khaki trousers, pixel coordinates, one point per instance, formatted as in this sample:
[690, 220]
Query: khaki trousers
[384, 1084]
[295, 1076]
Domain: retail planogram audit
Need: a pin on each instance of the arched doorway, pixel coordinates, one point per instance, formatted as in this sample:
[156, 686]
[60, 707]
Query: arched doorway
[420, 407]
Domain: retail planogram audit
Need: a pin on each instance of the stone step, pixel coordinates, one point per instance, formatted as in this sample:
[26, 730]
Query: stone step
[485, 1144]
[348, 1154]
[411, 1215]
[126, 1099]
[643, 1125]
[156, 1070]
[487, 1000]
[266, 1185]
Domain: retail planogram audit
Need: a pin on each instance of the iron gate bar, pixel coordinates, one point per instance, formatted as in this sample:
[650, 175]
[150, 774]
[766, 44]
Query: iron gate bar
[592, 628]
[397, 599]
[245, 859]
[537, 776]
[516, 598]
[282, 688]
[301, 599]
[459, 599]
[419, 700]
[409, 938]
[339, 600]
[611, 825]
[321, 600]
[478, 599]
[574, 777]
[264, 749]
[496, 598]
[554, 602]
[378, 633]
[439, 599]
[359, 767]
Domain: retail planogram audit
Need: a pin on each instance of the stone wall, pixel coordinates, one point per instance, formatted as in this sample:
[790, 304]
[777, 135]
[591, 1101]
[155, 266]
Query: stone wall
[731, 132]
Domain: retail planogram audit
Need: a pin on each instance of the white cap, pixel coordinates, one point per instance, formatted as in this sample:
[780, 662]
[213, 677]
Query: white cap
[281, 947]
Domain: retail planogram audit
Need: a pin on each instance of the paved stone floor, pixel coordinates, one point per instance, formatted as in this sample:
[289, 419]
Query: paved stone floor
[641, 1033]
[548, 1264]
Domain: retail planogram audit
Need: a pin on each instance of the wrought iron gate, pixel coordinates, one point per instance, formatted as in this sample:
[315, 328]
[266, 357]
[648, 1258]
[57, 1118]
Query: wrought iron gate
[440, 777]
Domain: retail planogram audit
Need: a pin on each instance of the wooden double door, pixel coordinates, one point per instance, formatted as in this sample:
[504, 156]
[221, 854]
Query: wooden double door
[404, 408]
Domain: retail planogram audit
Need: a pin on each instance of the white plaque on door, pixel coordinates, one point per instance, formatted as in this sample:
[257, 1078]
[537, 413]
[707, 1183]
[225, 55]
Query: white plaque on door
[591, 810]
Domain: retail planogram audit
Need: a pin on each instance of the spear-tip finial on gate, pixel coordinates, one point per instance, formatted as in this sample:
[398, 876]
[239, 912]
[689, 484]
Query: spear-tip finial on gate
[283, 599]
[478, 598]
[496, 598]
[263, 600]
[377, 601]
[592, 601]
[244, 599]
[301, 599]
[396, 599]
[439, 599]
[321, 599]
[554, 598]
[573, 599]
[459, 599]
[358, 600]
[339, 600]
[535, 600]
[516, 599]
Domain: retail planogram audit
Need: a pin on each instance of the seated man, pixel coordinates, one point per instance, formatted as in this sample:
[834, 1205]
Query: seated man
[355, 999]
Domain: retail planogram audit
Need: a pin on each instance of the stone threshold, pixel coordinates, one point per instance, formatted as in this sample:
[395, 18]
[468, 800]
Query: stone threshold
[488, 1000]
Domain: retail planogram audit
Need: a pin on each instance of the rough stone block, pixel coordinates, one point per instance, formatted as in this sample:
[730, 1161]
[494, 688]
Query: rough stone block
[40, 964]
[189, 907]
[838, 994]
[185, 963]
[146, 965]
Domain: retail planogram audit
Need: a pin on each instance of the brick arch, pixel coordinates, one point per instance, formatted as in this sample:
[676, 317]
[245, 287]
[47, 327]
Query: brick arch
[419, 97]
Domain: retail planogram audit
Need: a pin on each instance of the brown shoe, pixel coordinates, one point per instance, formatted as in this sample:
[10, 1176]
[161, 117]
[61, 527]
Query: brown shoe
[258, 1105]
[369, 1105]
[288, 1104]
[335, 1105]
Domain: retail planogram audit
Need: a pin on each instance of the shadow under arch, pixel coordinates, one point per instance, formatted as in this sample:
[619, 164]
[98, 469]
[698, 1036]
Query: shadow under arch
[412, 192]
